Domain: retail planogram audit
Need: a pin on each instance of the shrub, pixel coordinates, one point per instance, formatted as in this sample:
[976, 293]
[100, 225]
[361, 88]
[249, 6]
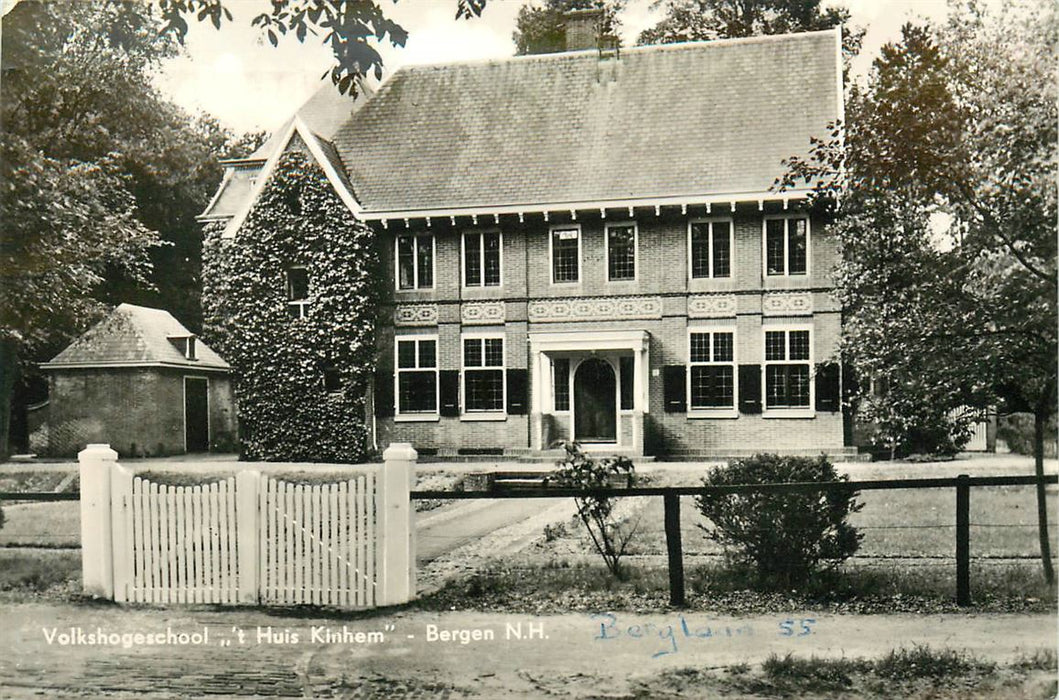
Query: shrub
[610, 536]
[1, 514]
[783, 537]
[1016, 430]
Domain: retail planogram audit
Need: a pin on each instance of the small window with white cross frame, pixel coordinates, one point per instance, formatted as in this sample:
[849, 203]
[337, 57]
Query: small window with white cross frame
[415, 261]
[297, 291]
[788, 369]
[710, 248]
[482, 255]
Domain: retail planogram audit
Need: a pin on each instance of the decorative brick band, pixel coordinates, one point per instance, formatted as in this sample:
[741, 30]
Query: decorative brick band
[787, 303]
[595, 309]
[480, 313]
[416, 315]
[711, 306]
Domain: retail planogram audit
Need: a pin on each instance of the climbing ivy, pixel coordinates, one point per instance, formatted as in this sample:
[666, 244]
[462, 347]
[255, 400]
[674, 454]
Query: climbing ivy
[285, 411]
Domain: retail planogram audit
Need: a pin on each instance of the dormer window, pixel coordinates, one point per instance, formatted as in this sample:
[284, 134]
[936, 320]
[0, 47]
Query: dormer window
[186, 345]
[297, 292]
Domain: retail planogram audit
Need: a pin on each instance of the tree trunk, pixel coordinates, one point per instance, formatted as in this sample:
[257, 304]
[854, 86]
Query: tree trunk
[8, 377]
[1042, 507]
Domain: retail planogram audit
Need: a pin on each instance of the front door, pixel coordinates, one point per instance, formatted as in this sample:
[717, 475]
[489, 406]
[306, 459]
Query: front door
[196, 414]
[595, 408]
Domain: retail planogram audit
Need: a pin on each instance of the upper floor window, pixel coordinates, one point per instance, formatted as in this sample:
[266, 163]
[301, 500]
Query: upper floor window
[565, 247]
[786, 245]
[481, 259]
[297, 292]
[483, 374]
[417, 374]
[788, 356]
[621, 252]
[711, 369]
[415, 261]
[710, 248]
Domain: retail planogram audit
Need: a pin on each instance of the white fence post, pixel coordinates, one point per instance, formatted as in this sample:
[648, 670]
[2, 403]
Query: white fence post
[396, 575]
[247, 484]
[97, 554]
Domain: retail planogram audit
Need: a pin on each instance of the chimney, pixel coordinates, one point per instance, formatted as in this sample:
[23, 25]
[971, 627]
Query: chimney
[583, 28]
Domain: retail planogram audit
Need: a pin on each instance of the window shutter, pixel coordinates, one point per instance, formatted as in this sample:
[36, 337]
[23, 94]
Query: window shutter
[517, 392]
[383, 394]
[827, 397]
[750, 389]
[674, 391]
[449, 388]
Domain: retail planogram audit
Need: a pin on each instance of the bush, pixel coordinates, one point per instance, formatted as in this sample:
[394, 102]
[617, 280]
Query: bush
[580, 471]
[1, 514]
[783, 537]
[1016, 430]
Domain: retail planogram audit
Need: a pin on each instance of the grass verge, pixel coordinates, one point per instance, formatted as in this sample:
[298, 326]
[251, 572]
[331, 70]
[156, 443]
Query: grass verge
[564, 585]
[919, 671]
[39, 573]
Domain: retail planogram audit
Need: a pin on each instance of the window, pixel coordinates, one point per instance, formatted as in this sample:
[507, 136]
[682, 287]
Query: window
[566, 254]
[786, 245]
[621, 252]
[481, 259]
[561, 384]
[417, 374]
[710, 246]
[787, 362]
[332, 380]
[483, 374]
[711, 370]
[415, 262]
[297, 292]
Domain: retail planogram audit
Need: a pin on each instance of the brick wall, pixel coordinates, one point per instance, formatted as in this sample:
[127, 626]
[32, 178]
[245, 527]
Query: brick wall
[137, 411]
[662, 271]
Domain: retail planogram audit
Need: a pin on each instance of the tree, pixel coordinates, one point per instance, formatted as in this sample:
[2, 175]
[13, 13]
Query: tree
[956, 126]
[95, 165]
[346, 26]
[542, 28]
[704, 20]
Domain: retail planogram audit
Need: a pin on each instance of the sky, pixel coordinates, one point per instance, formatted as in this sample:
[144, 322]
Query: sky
[249, 85]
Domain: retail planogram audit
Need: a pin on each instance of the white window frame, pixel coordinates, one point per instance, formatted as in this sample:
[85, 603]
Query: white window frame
[416, 237]
[635, 250]
[713, 412]
[301, 304]
[569, 386]
[551, 252]
[481, 258]
[787, 411]
[711, 220]
[496, 414]
[786, 246]
[409, 416]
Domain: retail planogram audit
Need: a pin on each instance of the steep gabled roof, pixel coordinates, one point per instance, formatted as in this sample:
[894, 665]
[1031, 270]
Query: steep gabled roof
[135, 336]
[323, 114]
[710, 118]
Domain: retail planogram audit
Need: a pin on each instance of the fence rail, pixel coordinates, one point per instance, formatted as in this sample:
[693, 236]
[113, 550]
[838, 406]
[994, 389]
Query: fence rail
[671, 500]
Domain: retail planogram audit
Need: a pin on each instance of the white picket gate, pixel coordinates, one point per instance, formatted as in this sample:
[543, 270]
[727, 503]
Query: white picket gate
[249, 538]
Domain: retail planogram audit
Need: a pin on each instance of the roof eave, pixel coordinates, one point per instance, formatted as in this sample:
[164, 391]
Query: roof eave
[52, 366]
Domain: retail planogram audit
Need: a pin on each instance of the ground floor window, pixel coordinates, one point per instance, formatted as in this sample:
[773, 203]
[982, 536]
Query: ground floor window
[483, 374]
[561, 384]
[788, 359]
[417, 374]
[711, 369]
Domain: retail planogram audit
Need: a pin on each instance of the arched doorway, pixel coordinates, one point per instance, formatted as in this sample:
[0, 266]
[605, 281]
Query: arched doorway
[595, 404]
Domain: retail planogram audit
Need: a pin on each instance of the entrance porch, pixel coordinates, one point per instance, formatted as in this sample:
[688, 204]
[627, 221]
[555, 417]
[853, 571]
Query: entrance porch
[589, 386]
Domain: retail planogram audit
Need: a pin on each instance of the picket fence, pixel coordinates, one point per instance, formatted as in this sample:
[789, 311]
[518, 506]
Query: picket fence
[249, 538]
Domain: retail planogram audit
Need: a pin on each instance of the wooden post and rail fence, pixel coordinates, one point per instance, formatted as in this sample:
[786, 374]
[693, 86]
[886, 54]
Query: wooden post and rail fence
[253, 539]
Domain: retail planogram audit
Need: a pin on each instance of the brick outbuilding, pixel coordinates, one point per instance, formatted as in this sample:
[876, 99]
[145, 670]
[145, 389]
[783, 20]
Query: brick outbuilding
[142, 382]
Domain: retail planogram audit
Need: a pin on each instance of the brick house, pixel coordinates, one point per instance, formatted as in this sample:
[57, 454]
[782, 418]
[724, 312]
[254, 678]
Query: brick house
[142, 382]
[589, 245]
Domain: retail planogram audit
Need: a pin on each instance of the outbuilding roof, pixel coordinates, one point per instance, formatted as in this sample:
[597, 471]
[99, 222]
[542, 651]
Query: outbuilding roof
[135, 336]
[706, 118]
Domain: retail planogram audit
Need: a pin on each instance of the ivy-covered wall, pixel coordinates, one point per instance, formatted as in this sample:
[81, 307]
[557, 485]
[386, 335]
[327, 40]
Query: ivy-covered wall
[285, 410]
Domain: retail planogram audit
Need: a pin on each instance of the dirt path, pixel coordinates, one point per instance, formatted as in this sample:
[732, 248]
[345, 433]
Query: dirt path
[571, 655]
[464, 522]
